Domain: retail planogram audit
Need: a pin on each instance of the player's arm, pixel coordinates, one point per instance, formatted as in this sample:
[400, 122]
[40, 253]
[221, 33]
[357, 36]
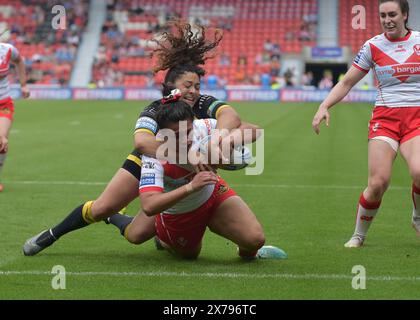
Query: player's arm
[145, 133]
[227, 118]
[154, 202]
[353, 76]
[21, 71]
[249, 132]
[146, 143]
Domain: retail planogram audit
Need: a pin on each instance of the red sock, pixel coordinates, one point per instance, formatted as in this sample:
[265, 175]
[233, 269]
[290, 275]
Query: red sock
[366, 211]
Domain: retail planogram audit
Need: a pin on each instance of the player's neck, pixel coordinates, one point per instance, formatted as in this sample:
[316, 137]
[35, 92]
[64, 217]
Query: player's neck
[400, 36]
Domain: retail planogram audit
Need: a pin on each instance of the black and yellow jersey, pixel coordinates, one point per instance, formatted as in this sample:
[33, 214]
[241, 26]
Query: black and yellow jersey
[205, 107]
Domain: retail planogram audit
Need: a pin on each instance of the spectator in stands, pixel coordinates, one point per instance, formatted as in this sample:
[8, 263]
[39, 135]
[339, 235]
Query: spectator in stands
[224, 59]
[289, 77]
[240, 74]
[222, 81]
[326, 82]
[275, 52]
[268, 46]
[225, 24]
[308, 79]
[212, 81]
[265, 80]
[242, 60]
[31, 31]
[278, 83]
[274, 67]
[304, 34]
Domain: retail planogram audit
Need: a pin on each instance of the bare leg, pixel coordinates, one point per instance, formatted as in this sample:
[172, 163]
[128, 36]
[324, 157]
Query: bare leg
[5, 125]
[380, 159]
[235, 221]
[121, 190]
[410, 151]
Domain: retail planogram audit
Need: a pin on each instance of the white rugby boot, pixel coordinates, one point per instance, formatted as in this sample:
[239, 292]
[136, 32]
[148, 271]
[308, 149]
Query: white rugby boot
[354, 242]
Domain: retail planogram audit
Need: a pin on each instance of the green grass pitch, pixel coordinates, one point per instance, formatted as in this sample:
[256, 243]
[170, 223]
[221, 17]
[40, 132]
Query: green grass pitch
[63, 154]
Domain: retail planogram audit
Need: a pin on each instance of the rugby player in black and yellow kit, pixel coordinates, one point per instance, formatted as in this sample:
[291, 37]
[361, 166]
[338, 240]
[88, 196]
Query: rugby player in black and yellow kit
[180, 53]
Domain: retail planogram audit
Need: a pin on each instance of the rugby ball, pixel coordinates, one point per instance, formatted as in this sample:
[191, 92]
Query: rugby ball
[240, 156]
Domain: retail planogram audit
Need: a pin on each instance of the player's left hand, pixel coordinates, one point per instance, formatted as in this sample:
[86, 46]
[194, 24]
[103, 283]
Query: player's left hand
[321, 115]
[25, 92]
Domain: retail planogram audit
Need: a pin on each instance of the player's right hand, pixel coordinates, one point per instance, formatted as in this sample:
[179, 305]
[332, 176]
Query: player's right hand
[4, 144]
[202, 179]
[322, 114]
[25, 92]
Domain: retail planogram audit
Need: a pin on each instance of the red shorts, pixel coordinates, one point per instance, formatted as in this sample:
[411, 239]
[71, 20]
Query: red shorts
[7, 108]
[400, 124]
[185, 231]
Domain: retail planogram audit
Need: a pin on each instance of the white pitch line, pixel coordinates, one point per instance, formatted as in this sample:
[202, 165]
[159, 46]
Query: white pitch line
[274, 186]
[287, 276]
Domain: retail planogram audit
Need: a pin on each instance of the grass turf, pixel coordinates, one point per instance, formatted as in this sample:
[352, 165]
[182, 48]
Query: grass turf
[306, 200]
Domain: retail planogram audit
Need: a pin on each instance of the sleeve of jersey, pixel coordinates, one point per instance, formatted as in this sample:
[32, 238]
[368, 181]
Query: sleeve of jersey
[363, 60]
[214, 107]
[151, 179]
[146, 124]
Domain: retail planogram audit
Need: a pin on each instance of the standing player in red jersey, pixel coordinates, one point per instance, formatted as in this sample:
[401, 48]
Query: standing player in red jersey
[394, 56]
[8, 54]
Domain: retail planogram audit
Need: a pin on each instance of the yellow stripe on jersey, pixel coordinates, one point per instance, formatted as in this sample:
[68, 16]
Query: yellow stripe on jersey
[87, 212]
[135, 159]
[144, 130]
[221, 108]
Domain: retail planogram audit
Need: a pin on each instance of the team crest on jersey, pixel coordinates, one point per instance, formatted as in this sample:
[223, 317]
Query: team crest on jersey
[5, 110]
[182, 241]
[222, 189]
[417, 49]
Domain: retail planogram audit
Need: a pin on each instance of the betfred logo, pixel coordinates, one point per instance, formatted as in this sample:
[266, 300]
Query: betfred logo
[366, 218]
[417, 49]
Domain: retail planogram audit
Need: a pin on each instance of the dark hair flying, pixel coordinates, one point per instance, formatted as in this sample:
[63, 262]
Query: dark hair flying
[184, 50]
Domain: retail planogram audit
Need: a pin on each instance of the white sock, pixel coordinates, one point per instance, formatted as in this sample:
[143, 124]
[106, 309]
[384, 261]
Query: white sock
[415, 192]
[366, 211]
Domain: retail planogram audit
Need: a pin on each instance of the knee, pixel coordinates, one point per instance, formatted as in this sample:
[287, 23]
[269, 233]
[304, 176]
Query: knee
[378, 185]
[102, 210]
[254, 241]
[137, 236]
[415, 175]
[134, 239]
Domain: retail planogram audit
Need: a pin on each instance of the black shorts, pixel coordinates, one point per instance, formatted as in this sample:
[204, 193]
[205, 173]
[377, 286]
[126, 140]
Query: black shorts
[133, 164]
